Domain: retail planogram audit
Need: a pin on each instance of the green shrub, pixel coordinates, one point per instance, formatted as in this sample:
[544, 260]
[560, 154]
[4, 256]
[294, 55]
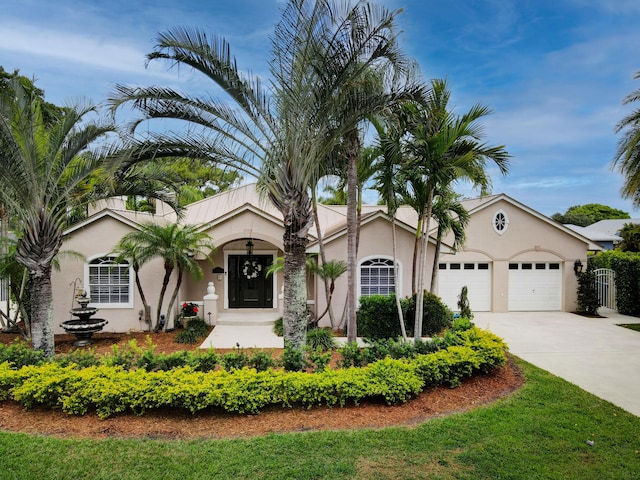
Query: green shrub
[79, 357]
[109, 390]
[436, 315]
[352, 355]
[195, 330]
[463, 304]
[461, 324]
[125, 357]
[261, 361]
[377, 317]
[235, 360]
[278, 327]
[293, 359]
[588, 301]
[19, 354]
[188, 336]
[206, 361]
[318, 359]
[321, 338]
[627, 270]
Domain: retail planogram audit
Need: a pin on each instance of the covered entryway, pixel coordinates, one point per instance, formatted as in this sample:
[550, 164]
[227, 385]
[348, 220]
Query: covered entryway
[248, 285]
[477, 278]
[535, 286]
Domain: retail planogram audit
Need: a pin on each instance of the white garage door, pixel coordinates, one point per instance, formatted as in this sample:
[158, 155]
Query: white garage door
[535, 286]
[476, 276]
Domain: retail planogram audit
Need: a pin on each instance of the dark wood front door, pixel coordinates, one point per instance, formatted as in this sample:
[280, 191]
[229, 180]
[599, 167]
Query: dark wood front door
[248, 285]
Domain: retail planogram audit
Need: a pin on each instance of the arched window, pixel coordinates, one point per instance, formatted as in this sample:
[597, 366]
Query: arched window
[376, 277]
[500, 222]
[110, 283]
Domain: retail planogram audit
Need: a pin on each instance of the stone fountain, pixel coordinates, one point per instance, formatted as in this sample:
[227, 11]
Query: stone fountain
[84, 326]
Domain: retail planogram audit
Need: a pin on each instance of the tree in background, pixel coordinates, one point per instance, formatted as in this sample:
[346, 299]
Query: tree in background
[630, 234]
[584, 215]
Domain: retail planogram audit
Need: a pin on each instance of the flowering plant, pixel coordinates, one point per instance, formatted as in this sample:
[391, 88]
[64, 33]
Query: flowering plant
[189, 309]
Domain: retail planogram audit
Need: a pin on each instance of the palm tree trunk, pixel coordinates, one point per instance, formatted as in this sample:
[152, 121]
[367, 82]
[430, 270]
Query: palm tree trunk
[416, 254]
[417, 333]
[143, 298]
[352, 254]
[436, 256]
[294, 316]
[165, 282]
[323, 257]
[42, 321]
[172, 300]
[396, 282]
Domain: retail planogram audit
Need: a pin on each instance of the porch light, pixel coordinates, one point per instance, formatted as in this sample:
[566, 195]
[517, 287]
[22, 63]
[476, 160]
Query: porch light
[249, 246]
[577, 267]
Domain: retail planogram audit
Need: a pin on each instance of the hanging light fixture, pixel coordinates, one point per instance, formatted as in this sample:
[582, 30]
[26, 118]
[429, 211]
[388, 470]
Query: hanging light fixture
[249, 247]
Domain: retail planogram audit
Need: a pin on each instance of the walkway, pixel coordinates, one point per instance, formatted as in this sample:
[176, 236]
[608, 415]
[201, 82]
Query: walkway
[593, 353]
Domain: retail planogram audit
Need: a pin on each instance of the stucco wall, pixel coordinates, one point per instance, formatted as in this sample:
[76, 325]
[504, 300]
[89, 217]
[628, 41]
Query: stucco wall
[99, 239]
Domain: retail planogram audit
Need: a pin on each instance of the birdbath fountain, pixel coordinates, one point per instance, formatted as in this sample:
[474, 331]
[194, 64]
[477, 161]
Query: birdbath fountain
[84, 326]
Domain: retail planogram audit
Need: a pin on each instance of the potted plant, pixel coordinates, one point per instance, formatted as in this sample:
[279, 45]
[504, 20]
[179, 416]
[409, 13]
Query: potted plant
[189, 311]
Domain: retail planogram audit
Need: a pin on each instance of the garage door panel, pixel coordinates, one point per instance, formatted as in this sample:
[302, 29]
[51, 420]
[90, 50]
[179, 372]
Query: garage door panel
[535, 286]
[475, 275]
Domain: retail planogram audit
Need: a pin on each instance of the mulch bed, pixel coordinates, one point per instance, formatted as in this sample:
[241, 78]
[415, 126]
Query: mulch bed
[176, 424]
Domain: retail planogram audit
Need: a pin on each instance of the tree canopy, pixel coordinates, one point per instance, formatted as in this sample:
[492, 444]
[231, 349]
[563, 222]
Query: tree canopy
[584, 215]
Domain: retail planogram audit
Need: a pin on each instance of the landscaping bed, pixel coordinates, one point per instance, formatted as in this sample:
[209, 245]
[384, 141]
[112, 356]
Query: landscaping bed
[175, 423]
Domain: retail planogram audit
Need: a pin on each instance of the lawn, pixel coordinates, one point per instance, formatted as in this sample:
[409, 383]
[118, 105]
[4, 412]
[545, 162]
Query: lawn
[539, 432]
[631, 326]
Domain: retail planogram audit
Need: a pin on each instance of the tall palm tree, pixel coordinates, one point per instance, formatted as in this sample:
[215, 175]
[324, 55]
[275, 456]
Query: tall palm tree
[445, 148]
[451, 216]
[130, 251]
[627, 158]
[390, 160]
[40, 169]
[177, 246]
[280, 135]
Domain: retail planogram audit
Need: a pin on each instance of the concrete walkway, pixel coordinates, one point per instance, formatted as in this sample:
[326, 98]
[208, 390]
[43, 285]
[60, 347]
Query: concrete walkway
[593, 353]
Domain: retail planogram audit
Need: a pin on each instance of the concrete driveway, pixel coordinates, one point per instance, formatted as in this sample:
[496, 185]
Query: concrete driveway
[593, 353]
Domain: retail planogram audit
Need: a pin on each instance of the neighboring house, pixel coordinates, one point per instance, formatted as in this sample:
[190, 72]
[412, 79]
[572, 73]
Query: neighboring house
[514, 259]
[605, 240]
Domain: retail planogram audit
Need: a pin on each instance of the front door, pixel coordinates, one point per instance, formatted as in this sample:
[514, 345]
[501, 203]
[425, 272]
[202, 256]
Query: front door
[248, 285]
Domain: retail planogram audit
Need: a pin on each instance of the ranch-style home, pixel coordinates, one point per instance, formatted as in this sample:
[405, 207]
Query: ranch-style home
[514, 259]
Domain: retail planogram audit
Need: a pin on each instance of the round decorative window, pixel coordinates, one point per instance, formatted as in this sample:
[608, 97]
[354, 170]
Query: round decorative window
[500, 222]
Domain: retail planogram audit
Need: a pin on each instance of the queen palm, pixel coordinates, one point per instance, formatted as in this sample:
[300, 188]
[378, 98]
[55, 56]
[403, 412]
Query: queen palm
[627, 158]
[280, 135]
[177, 246]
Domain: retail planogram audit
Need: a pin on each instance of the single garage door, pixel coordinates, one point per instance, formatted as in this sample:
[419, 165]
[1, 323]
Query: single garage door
[535, 286]
[475, 275]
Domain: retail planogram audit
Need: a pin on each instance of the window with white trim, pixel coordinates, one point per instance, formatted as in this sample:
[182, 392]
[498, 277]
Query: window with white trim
[109, 282]
[376, 277]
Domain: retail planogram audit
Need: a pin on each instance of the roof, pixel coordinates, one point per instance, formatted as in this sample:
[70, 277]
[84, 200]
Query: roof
[593, 234]
[612, 227]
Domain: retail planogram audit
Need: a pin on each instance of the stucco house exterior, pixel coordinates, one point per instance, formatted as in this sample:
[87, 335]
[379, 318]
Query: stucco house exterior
[514, 259]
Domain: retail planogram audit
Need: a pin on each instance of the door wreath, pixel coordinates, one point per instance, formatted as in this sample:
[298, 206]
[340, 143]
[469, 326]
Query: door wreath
[251, 269]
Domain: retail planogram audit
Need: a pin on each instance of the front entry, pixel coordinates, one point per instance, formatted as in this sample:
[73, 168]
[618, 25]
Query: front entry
[248, 285]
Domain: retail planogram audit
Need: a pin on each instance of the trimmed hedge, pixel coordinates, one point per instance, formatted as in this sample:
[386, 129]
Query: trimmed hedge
[626, 265]
[378, 316]
[108, 390]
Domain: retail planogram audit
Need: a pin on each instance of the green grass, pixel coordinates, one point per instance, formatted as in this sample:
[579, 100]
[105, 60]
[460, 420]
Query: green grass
[540, 432]
[631, 326]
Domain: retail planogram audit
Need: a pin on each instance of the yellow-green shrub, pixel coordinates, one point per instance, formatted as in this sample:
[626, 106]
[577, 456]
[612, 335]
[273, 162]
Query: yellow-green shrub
[108, 390]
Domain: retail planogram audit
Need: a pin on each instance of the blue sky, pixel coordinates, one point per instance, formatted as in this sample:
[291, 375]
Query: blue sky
[554, 72]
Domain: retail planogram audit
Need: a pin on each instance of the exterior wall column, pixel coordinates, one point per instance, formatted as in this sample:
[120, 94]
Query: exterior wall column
[500, 290]
[210, 305]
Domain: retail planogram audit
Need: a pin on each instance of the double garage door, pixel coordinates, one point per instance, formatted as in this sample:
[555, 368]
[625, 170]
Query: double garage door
[532, 286]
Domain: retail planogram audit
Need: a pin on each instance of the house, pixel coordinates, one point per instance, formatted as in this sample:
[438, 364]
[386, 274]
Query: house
[605, 240]
[514, 259]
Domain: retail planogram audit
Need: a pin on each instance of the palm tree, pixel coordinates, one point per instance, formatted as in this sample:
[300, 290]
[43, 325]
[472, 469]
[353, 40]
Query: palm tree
[390, 161]
[445, 148]
[177, 246]
[627, 158]
[40, 169]
[282, 135]
[451, 216]
[130, 251]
